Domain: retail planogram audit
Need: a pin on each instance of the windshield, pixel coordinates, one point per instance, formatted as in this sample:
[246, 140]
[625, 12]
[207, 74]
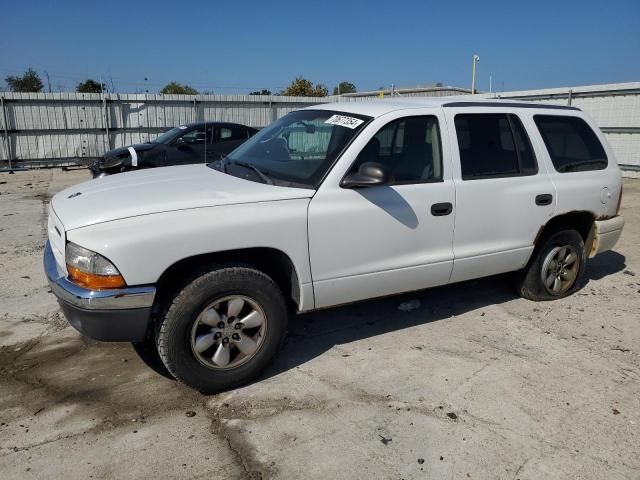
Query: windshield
[299, 148]
[169, 136]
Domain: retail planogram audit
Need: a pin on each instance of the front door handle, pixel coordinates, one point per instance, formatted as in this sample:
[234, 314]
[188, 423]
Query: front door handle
[544, 199]
[441, 209]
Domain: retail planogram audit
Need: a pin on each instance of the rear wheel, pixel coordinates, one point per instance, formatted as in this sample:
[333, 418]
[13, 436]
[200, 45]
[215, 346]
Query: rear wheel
[555, 269]
[222, 329]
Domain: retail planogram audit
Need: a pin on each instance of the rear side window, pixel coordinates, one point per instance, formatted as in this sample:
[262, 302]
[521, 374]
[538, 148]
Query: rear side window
[493, 145]
[571, 143]
[232, 132]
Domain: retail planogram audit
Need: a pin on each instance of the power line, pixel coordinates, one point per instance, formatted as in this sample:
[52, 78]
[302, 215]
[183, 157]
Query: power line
[129, 81]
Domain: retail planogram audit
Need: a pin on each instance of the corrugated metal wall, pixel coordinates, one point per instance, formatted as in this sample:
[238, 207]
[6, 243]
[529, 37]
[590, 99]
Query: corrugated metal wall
[614, 107]
[46, 129]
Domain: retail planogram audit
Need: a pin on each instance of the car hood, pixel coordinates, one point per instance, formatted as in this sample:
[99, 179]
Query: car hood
[140, 147]
[118, 155]
[157, 190]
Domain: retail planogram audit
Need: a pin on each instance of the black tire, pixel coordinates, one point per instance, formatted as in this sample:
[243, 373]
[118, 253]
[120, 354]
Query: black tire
[531, 280]
[147, 351]
[175, 330]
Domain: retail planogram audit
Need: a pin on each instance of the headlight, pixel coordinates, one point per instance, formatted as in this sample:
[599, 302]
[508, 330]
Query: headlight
[91, 270]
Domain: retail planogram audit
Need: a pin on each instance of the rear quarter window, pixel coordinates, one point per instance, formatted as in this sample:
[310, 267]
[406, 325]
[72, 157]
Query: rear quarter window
[572, 145]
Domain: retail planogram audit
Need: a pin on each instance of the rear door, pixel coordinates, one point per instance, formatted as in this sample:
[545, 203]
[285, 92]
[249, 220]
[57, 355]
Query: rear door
[503, 191]
[226, 139]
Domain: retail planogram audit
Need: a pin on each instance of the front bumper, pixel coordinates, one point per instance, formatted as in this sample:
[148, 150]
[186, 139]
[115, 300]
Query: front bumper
[96, 171]
[121, 315]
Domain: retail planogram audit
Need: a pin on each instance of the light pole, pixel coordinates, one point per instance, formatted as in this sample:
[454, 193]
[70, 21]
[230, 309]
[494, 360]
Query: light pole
[476, 59]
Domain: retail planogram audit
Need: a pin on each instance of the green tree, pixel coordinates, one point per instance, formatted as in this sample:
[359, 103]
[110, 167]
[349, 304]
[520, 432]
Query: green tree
[344, 87]
[175, 88]
[264, 91]
[29, 82]
[301, 87]
[90, 86]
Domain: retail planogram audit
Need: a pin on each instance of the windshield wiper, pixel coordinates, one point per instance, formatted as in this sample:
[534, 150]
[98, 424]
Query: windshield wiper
[265, 178]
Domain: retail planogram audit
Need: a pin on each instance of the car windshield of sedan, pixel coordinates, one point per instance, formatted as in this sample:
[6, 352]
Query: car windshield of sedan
[168, 136]
[296, 150]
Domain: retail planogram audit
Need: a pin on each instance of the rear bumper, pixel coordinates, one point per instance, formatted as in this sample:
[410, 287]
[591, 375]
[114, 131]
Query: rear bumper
[605, 234]
[121, 315]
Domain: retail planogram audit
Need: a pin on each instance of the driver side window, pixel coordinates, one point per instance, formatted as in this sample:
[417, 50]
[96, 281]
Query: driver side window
[193, 137]
[409, 147]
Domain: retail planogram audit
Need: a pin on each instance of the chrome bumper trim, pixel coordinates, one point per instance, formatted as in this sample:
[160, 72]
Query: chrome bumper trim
[123, 298]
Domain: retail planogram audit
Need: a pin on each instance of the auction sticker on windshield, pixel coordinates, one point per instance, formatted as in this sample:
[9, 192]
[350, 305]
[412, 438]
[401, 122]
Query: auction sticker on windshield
[344, 121]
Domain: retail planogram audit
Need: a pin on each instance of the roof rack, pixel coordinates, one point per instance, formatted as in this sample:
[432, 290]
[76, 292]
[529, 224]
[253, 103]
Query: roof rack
[508, 104]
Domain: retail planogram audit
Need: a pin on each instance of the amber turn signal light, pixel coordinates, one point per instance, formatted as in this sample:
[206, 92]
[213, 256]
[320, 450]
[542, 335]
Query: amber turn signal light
[92, 281]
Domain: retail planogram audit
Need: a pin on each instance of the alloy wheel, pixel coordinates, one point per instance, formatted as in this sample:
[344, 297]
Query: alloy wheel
[560, 269]
[228, 332]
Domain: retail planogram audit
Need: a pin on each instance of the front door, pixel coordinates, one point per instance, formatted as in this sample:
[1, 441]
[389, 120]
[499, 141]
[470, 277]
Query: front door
[381, 240]
[189, 148]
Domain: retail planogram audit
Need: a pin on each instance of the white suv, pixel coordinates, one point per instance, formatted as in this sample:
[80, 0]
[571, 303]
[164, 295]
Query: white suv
[329, 205]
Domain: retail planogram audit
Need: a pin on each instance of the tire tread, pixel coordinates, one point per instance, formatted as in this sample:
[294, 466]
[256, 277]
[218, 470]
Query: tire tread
[194, 283]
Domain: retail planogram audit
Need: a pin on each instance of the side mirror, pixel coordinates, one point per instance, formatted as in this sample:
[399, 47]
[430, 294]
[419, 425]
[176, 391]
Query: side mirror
[370, 174]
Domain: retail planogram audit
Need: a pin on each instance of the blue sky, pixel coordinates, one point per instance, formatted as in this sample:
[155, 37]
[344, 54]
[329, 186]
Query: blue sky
[237, 46]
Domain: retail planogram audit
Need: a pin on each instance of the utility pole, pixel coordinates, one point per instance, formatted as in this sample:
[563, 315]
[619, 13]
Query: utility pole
[46, 74]
[490, 82]
[476, 59]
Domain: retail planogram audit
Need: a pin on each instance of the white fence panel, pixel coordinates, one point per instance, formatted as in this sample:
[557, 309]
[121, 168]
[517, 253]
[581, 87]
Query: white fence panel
[73, 128]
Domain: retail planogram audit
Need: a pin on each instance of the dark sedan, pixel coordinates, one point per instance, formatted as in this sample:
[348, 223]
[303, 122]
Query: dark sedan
[202, 142]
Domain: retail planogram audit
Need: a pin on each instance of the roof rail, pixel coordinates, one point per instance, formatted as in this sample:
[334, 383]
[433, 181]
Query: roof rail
[508, 104]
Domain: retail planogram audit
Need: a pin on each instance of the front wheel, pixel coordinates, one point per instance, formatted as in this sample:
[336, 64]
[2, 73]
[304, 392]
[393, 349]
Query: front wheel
[147, 351]
[556, 268]
[222, 329]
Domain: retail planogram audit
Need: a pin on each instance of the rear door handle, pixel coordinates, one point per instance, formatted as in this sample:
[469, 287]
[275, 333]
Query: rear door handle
[441, 209]
[544, 199]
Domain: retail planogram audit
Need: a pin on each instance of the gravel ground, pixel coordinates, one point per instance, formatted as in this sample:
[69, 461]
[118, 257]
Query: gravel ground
[474, 383]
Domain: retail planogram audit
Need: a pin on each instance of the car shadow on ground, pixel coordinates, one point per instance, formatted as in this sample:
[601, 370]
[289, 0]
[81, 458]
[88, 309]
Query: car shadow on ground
[312, 334]
[605, 264]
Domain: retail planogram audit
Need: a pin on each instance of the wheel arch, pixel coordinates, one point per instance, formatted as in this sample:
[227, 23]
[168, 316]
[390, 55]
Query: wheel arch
[581, 221]
[271, 261]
